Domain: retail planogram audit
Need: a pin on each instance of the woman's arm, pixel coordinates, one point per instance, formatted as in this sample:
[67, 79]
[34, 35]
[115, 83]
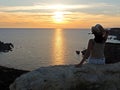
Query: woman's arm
[89, 47]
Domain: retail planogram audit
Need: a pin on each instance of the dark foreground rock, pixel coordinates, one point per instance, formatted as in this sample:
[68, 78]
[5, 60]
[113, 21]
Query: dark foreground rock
[112, 52]
[68, 77]
[8, 75]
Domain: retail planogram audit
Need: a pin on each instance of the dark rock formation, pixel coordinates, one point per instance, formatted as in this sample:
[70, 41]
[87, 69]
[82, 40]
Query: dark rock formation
[115, 32]
[8, 75]
[6, 47]
[112, 52]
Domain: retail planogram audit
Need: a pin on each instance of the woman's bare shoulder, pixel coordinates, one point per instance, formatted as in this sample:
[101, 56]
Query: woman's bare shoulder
[91, 42]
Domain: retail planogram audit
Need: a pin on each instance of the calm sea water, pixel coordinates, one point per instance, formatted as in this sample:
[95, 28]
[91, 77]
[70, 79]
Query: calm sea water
[34, 48]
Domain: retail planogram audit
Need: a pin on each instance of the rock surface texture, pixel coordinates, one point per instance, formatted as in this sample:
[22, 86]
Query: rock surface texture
[68, 77]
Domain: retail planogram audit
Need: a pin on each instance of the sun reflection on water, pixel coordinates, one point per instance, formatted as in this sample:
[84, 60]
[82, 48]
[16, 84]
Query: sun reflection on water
[58, 47]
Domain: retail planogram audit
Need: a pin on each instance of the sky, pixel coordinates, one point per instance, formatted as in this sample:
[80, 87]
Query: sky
[59, 13]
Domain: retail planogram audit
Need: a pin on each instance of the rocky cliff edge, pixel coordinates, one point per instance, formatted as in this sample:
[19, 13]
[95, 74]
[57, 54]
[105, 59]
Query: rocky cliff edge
[68, 77]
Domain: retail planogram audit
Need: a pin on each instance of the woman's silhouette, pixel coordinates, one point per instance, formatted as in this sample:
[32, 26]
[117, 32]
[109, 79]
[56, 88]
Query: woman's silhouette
[95, 48]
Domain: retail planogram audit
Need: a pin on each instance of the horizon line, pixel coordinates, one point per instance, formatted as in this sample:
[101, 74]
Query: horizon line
[39, 28]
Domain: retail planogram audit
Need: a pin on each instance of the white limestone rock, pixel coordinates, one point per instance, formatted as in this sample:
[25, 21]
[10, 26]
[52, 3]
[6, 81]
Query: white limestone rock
[68, 77]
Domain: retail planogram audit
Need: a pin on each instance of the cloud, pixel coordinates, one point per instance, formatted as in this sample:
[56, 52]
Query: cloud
[41, 15]
[25, 17]
[53, 7]
[39, 7]
[93, 8]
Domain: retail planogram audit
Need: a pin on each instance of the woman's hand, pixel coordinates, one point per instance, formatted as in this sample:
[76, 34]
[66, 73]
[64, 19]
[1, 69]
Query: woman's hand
[78, 65]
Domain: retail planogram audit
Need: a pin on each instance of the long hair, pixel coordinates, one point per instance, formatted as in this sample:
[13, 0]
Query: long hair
[99, 38]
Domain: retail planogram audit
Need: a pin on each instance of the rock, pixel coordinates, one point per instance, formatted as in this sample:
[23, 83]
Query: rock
[112, 52]
[68, 77]
[6, 47]
[115, 32]
[8, 75]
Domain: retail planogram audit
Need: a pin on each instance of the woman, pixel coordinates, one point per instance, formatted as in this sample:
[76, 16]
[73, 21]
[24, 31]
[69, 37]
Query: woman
[95, 49]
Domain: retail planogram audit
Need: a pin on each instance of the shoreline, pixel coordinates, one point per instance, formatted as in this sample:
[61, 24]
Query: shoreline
[8, 75]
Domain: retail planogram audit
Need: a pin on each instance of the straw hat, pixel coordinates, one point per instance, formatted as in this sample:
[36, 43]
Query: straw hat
[97, 29]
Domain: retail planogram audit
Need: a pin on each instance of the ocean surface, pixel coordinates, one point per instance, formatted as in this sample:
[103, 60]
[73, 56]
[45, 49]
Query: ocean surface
[34, 48]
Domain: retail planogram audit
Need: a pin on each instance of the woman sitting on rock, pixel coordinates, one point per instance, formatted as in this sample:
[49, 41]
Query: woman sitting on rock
[95, 49]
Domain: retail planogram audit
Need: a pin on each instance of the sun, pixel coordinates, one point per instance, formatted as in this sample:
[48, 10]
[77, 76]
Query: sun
[58, 17]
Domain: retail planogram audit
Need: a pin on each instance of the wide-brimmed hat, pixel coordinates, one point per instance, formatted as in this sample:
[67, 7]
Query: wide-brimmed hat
[97, 29]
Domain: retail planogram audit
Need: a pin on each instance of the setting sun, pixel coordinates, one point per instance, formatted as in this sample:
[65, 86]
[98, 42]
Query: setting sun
[59, 14]
[58, 17]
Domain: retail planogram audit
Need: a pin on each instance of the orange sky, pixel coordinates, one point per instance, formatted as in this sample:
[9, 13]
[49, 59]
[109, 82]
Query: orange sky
[57, 16]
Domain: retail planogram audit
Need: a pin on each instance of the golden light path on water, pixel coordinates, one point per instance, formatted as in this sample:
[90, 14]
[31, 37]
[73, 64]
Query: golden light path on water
[58, 47]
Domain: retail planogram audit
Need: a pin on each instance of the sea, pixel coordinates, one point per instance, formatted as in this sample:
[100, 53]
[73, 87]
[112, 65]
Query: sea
[41, 47]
